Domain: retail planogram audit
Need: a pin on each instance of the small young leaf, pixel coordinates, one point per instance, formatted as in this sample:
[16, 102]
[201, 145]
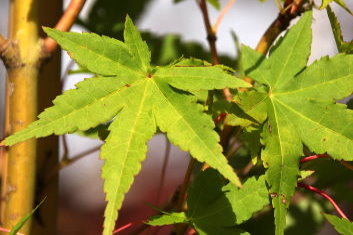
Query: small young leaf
[167, 219]
[22, 222]
[341, 225]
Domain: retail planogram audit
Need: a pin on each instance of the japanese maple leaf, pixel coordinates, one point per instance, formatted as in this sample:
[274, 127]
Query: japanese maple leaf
[301, 109]
[137, 98]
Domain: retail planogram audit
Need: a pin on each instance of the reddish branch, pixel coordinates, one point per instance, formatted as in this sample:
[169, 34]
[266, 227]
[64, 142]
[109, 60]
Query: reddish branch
[219, 118]
[222, 14]
[8, 230]
[128, 225]
[325, 195]
[65, 23]
[346, 164]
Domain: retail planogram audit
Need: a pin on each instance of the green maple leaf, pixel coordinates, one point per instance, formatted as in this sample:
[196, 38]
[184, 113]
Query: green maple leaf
[301, 109]
[137, 98]
[342, 226]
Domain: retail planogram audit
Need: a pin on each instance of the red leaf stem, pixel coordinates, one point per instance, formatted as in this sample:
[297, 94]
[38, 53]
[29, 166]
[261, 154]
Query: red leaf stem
[220, 117]
[325, 195]
[128, 225]
[309, 158]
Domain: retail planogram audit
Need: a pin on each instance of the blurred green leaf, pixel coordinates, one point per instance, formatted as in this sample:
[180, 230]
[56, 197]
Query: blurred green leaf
[108, 16]
[342, 226]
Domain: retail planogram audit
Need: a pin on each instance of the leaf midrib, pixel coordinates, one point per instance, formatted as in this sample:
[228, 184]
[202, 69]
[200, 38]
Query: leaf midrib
[311, 120]
[125, 156]
[292, 48]
[187, 123]
[315, 86]
[277, 201]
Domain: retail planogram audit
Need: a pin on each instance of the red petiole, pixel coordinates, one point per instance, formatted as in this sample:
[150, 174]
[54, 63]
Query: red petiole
[325, 195]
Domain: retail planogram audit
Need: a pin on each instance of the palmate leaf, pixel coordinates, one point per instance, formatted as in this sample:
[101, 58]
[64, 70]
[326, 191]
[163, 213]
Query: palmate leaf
[341, 225]
[137, 98]
[300, 109]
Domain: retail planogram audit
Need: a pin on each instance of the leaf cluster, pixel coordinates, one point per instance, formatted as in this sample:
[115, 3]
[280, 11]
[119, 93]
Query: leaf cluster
[290, 111]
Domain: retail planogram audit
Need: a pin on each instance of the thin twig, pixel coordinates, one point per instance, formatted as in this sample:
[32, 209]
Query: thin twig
[222, 14]
[325, 195]
[346, 164]
[65, 156]
[180, 228]
[164, 170]
[65, 23]
[3, 40]
[69, 66]
[69, 161]
[313, 157]
[279, 5]
[211, 36]
[128, 225]
[184, 186]
[6, 230]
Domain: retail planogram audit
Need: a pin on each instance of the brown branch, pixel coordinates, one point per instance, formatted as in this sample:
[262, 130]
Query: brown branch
[184, 186]
[211, 35]
[164, 170]
[65, 23]
[280, 24]
[346, 164]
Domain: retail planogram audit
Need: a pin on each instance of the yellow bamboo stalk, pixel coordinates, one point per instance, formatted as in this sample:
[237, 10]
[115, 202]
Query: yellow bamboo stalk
[21, 107]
